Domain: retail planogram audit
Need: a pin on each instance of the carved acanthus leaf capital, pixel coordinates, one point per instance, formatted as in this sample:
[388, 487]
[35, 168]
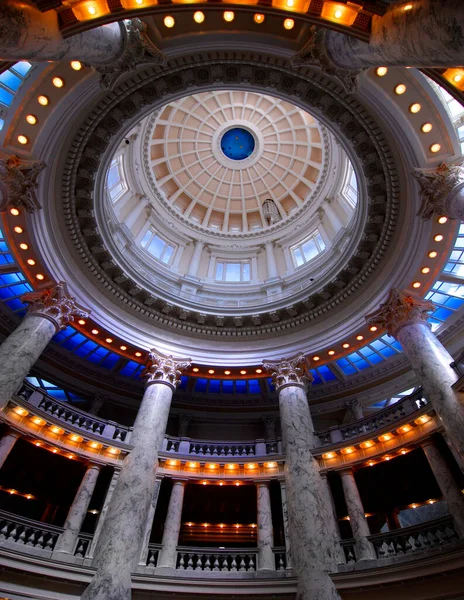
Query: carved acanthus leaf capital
[289, 371]
[435, 187]
[401, 309]
[55, 304]
[18, 183]
[162, 368]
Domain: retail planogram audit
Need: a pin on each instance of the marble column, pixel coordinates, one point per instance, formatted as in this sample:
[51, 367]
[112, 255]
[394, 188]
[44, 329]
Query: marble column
[269, 428]
[117, 551]
[168, 553]
[405, 317]
[356, 408]
[67, 541]
[6, 445]
[194, 264]
[331, 215]
[288, 546]
[271, 263]
[184, 422]
[313, 548]
[149, 525]
[358, 522]
[446, 482]
[431, 34]
[104, 510]
[333, 523]
[442, 191]
[266, 561]
[50, 310]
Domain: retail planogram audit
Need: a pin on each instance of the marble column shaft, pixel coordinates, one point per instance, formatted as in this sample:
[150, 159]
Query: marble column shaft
[449, 488]
[104, 510]
[117, 551]
[358, 522]
[67, 541]
[168, 553]
[333, 522]
[431, 362]
[266, 561]
[455, 203]
[271, 263]
[288, 546]
[313, 551]
[149, 525]
[20, 351]
[6, 445]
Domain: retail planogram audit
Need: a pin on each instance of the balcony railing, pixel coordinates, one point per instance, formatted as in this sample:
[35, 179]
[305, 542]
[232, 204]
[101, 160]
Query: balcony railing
[14, 528]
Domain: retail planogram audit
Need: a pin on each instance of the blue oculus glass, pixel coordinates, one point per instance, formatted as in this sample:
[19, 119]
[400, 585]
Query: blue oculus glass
[237, 143]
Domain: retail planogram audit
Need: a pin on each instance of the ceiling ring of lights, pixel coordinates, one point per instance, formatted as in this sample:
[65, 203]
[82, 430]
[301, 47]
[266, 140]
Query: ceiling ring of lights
[307, 88]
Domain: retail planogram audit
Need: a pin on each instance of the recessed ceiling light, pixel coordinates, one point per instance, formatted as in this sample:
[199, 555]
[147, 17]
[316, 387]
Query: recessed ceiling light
[289, 24]
[433, 254]
[76, 65]
[435, 148]
[415, 108]
[346, 345]
[381, 71]
[22, 139]
[438, 238]
[43, 100]
[195, 369]
[14, 212]
[243, 372]
[31, 119]
[18, 229]
[373, 328]
[23, 246]
[109, 341]
[31, 261]
[199, 16]
[138, 354]
[259, 18]
[426, 127]
[169, 22]
[95, 331]
[226, 372]
[123, 348]
[211, 371]
[331, 352]
[81, 322]
[359, 337]
[400, 89]
[40, 277]
[229, 16]
[425, 270]
[58, 82]
[442, 220]
[416, 284]
[316, 358]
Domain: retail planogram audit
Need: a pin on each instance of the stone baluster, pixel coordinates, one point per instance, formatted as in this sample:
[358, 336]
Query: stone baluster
[442, 191]
[405, 317]
[149, 525]
[168, 553]
[356, 408]
[50, 310]
[67, 541]
[283, 495]
[358, 521]
[6, 445]
[103, 512]
[446, 482]
[266, 561]
[313, 550]
[118, 549]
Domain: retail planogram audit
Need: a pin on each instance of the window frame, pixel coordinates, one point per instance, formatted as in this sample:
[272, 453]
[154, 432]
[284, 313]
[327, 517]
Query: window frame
[224, 262]
[299, 248]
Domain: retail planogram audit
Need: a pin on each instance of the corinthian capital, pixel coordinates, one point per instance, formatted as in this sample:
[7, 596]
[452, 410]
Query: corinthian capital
[435, 187]
[54, 304]
[400, 309]
[18, 183]
[166, 369]
[289, 371]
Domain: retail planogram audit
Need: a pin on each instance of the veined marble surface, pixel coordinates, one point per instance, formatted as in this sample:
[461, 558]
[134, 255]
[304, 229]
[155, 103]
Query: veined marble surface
[288, 546]
[149, 525]
[168, 554]
[358, 522]
[6, 445]
[20, 351]
[313, 549]
[103, 512]
[455, 203]
[266, 561]
[118, 549]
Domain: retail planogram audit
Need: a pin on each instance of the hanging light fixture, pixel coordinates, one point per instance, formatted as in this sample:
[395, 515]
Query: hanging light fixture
[271, 212]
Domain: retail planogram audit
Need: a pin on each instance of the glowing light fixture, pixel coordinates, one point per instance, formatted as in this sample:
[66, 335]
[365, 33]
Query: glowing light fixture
[169, 21]
[40, 277]
[422, 419]
[270, 465]
[24, 246]
[19, 410]
[38, 421]
[195, 369]
[425, 270]
[95, 331]
[31, 261]
[455, 77]
[18, 229]
[426, 127]
[415, 108]
[123, 348]
[344, 14]
[31, 119]
[400, 89]
[367, 444]
[348, 450]
[345, 345]
[331, 352]
[199, 16]
[58, 82]
[406, 7]
[138, 3]
[82, 322]
[259, 18]
[43, 100]
[359, 337]
[433, 254]
[75, 438]
[416, 284]
[138, 354]
[316, 358]
[211, 371]
[23, 139]
[329, 455]
[438, 238]
[289, 24]
[435, 148]
[89, 9]
[228, 16]
[373, 328]
[56, 430]
[442, 220]
[14, 211]
[381, 71]
[259, 371]
[243, 372]
[109, 340]
[385, 437]
[404, 429]
[76, 65]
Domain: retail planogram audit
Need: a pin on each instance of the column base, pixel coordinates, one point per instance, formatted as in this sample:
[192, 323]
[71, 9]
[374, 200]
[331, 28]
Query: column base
[114, 586]
[316, 585]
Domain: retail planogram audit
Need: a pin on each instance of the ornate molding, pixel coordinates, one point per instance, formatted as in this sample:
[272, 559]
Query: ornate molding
[54, 304]
[18, 183]
[435, 186]
[164, 369]
[400, 309]
[289, 371]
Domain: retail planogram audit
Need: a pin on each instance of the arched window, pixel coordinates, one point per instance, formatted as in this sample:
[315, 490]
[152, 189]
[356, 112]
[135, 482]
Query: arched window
[307, 249]
[157, 247]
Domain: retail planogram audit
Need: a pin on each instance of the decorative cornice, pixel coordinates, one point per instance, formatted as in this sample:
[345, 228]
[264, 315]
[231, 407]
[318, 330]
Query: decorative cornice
[164, 369]
[18, 183]
[54, 304]
[309, 88]
[289, 371]
[435, 187]
[400, 309]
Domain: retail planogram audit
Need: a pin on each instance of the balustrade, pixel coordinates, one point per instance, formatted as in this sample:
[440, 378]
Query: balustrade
[153, 555]
[348, 547]
[83, 544]
[218, 449]
[230, 560]
[14, 528]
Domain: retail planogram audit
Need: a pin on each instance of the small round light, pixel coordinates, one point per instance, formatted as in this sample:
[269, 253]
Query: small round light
[82, 322]
[426, 127]
[438, 238]
[407, 7]
[338, 14]
[40, 277]
[416, 284]
[211, 371]
[14, 211]
[381, 71]
[95, 331]
[415, 108]
[289, 24]
[243, 372]
[123, 348]
[373, 328]
[259, 18]
[43, 100]
[442, 220]
[259, 371]
[109, 340]
[316, 358]
[23, 246]
[433, 254]
[58, 82]
[345, 345]
[435, 148]
[403, 451]
[425, 270]
[54, 450]
[359, 337]
[76, 65]
[169, 22]
[31, 119]
[31, 261]
[139, 2]
[22, 139]
[387, 458]
[199, 17]
[138, 354]
[18, 229]
[331, 352]
[195, 369]
[400, 89]
[457, 78]
[226, 372]
[92, 10]
[228, 16]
